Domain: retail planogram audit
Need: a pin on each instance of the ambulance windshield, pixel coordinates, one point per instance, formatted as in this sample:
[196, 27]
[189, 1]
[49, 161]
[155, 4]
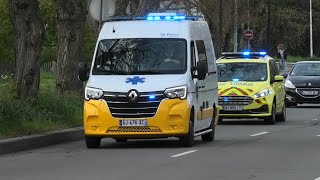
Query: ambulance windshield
[242, 72]
[141, 57]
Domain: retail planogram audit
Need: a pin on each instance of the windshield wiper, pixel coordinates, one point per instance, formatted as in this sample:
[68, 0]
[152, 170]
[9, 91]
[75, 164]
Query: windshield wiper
[145, 72]
[110, 73]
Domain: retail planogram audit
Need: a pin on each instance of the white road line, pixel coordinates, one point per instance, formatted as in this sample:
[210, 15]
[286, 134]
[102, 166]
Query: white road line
[184, 153]
[314, 119]
[318, 178]
[318, 136]
[259, 134]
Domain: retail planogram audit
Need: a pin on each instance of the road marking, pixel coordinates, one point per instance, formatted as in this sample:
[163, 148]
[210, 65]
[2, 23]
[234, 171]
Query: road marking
[318, 178]
[314, 119]
[318, 136]
[184, 153]
[259, 134]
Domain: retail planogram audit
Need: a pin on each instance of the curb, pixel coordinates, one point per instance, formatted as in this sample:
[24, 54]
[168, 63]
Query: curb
[17, 144]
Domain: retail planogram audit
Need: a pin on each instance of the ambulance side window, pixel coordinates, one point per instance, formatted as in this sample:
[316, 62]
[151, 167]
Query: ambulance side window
[275, 67]
[272, 72]
[202, 54]
[193, 57]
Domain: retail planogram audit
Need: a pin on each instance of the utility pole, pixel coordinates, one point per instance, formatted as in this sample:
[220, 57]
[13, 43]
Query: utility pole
[235, 37]
[311, 34]
[268, 27]
[220, 28]
[249, 23]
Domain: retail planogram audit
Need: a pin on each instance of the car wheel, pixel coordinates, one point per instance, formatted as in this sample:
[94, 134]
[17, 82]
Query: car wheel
[93, 142]
[283, 116]
[121, 140]
[188, 140]
[209, 137]
[271, 119]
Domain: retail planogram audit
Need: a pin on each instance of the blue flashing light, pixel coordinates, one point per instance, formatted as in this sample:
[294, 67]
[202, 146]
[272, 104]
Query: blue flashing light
[263, 53]
[235, 80]
[165, 16]
[157, 18]
[182, 17]
[246, 53]
[150, 18]
[225, 99]
[152, 97]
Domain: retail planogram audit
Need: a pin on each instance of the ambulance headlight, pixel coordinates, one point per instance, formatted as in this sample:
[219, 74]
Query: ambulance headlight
[176, 92]
[263, 93]
[92, 93]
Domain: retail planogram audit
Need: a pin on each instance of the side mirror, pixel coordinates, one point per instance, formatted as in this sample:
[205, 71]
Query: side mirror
[202, 68]
[83, 71]
[278, 79]
[284, 75]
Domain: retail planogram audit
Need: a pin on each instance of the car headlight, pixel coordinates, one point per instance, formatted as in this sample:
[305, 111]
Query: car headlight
[263, 93]
[288, 84]
[92, 93]
[176, 92]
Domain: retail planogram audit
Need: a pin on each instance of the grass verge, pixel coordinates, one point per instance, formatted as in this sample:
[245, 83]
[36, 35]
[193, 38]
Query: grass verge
[50, 112]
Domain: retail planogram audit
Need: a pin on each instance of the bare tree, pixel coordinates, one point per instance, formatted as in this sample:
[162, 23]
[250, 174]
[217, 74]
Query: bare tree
[71, 18]
[29, 36]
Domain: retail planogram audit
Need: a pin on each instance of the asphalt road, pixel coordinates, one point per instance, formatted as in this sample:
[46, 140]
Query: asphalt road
[242, 150]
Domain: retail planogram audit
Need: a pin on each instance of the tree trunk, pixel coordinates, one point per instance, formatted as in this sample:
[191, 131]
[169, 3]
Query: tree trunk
[29, 36]
[71, 18]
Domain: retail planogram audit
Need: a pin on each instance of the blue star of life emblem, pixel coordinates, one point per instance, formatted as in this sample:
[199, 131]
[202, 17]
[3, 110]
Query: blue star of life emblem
[135, 80]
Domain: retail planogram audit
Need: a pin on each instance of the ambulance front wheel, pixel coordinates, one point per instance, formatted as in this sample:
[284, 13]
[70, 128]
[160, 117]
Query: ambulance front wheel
[188, 140]
[93, 142]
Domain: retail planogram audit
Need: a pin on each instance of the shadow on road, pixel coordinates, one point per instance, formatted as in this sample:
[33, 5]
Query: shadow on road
[149, 144]
[243, 122]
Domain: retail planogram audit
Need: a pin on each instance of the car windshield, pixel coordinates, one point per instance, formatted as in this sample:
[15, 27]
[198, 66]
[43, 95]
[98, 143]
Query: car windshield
[306, 69]
[242, 72]
[141, 56]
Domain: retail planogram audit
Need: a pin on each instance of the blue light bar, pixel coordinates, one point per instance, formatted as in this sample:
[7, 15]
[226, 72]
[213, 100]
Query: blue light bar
[225, 99]
[263, 53]
[235, 80]
[246, 53]
[168, 17]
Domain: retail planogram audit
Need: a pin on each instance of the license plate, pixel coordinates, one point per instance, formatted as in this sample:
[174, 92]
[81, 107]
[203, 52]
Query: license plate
[310, 93]
[126, 123]
[232, 108]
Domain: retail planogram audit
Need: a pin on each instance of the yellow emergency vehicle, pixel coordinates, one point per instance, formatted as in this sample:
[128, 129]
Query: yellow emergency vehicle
[250, 87]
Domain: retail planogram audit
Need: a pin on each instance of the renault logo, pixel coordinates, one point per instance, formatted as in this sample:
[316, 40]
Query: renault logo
[133, 96]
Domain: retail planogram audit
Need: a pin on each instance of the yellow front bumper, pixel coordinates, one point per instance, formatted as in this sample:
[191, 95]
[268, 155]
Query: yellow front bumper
[171, 119]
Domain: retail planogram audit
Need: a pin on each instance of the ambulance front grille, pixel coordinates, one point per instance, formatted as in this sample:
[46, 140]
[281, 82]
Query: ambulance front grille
[133, 130]
[144, 107]
[235, 100]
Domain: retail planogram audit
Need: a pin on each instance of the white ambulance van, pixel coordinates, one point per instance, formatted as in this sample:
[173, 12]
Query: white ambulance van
[151, 77]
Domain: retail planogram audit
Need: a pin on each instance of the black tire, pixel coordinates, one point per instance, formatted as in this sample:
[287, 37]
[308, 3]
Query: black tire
[271, 119]
[93, 142]
[283, 116]
[209, 137]
[121, 140]
[188, 140]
